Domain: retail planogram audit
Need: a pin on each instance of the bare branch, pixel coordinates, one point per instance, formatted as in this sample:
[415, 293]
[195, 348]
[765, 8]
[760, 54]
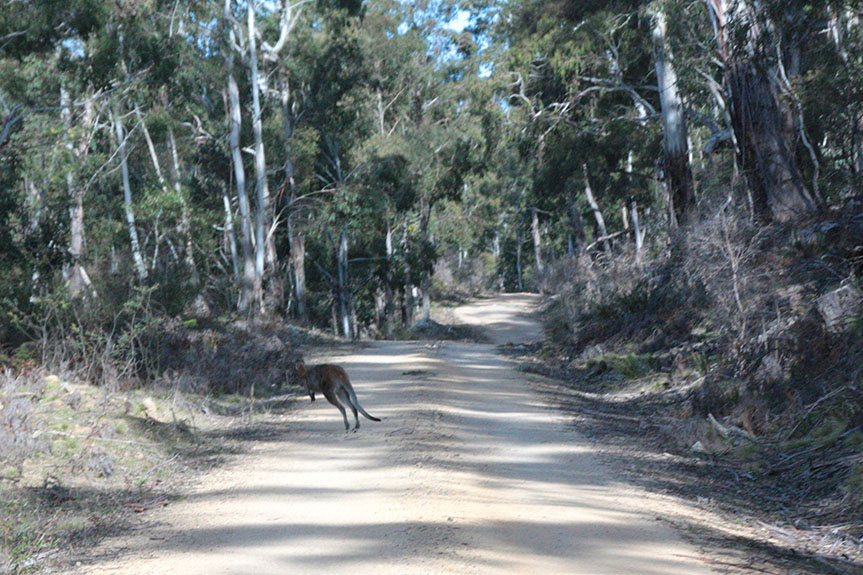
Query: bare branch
[288, 21]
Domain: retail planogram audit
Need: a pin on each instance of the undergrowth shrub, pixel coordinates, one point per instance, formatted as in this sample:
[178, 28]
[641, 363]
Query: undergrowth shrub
[96, 340]
[731, 304]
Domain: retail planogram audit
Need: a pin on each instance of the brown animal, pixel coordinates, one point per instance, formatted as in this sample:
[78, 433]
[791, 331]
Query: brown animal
[333, 382]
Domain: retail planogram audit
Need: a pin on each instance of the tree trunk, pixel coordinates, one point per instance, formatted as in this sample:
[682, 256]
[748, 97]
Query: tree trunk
[638, 232]
[409, 304]
[344, 288]
[78, 278]
[296, 235]
[185, 223]
[247, 285]
[425, 277]
[425, 287]
[230, 233]
[675, 164]
[389, 304]
[297, 241]
[265, 253]
[597, 213]
[120, 135]
[762, 120]
[537, 243]
[576, 221]
[518, 267]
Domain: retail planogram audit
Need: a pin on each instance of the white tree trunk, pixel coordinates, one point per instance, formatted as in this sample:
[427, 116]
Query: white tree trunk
[120, 135]
[597, 213]
[676, 168]
[638, 232]
[264, 252]
[409, 303]
[230, 233]
[247, 285]
[537, 242]
[389, 305]
[78, 279]
[344, 288]
[298, 262]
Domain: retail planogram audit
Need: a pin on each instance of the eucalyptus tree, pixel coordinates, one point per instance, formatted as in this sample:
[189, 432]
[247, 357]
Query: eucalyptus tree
[579, 85]
[760, 45]
[675, 165]
[40, 74]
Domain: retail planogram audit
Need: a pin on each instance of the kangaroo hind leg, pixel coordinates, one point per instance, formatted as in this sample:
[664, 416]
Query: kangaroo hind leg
[345, 397]
[331, 397]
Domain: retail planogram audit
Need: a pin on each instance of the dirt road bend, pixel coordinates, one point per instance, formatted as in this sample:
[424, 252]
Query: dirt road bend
[469, 472]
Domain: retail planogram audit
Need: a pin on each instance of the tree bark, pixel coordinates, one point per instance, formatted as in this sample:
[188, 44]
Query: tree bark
[762, 120]
[78, 278]
[425, 277]
[344, 287]
[408, 304]
[576, 222]
[120, 135]
[230, 233]
[677, 173]
[296, 235]
[247, 285]
[297, 241]
[389, 304]
[265, 253]
[518, 267]
[638, 231]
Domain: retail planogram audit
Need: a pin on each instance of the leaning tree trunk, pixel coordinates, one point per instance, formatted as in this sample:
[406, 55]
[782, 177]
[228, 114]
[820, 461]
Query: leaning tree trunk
[120, 135]
[597, 213]
[675, 163]
[762, 120]
[247, 285]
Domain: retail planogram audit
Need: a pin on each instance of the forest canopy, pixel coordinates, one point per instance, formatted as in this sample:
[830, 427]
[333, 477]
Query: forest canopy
[341, 163]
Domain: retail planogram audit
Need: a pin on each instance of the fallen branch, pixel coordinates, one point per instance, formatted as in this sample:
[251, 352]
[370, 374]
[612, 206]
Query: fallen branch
[605, 238]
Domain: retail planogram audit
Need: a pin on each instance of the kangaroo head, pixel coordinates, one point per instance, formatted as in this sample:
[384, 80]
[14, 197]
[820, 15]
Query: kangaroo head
[300, 367]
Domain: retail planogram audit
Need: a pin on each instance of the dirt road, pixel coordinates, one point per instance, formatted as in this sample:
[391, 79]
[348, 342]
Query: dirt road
[469, 472]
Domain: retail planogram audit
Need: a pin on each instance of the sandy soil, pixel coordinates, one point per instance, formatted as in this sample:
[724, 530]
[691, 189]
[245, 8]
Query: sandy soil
[469, 472]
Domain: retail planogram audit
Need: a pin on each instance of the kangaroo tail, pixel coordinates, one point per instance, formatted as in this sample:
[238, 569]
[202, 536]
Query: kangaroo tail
[360, 407]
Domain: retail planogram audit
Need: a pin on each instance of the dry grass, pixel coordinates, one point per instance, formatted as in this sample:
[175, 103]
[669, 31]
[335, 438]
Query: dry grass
[80, 461]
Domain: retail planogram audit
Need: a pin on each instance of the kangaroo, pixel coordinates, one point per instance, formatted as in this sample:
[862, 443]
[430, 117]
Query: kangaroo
[333, 382]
